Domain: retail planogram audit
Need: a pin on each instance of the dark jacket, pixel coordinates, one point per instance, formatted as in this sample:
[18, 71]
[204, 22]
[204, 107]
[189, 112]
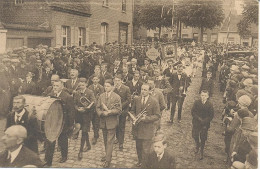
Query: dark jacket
[167, 161]
[25, 157]
[70, 87]
[202, 114]
[97, 91]
[125, 95]
[145, 129]
[136, 88]
[176, 83]
[207, 85]
[31, 125]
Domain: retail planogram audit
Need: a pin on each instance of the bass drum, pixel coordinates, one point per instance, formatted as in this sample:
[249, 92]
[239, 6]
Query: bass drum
[49, 113]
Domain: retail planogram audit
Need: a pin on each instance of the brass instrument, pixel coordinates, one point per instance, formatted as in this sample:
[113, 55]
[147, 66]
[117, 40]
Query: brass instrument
[137, 119]
[86, 102]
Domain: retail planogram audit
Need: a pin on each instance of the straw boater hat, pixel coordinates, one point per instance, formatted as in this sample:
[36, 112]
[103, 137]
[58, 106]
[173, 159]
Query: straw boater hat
[238, 165]
[244, 100]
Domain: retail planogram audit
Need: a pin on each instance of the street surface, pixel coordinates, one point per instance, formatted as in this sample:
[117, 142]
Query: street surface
[179, 137]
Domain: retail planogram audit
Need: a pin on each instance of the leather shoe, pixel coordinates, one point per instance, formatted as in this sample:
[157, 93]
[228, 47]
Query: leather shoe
[103, 158]
[87, 149]
[121, 147]
[63, 160]
[94, 141]
[80, 156]
[170, 121]
[106, 164]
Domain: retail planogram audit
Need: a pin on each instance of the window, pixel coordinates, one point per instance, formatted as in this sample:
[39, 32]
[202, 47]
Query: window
[64, 35]
[214, 37]
[123, 5]
[195, 35]
[82, 33]
[185, 36]
[18, 1]
[104, 27]
[105, 2]
[184, 26]
[205, 37]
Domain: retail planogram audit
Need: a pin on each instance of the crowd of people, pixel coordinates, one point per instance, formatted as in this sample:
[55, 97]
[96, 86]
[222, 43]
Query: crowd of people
[105, 85]
[239, 81]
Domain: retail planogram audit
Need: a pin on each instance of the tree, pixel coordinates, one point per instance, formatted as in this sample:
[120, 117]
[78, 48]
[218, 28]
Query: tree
[250, 15]
[200, 14]
[154, 15]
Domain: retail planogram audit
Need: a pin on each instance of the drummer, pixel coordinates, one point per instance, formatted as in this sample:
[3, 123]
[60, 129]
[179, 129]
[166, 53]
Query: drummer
[84, 100]
[20, 116]
[69, 112]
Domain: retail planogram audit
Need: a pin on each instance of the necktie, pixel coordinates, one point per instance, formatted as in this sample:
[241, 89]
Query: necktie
[17, 118]
[143, 101]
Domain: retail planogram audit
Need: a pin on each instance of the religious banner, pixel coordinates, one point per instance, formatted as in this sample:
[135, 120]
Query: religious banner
[152, 53]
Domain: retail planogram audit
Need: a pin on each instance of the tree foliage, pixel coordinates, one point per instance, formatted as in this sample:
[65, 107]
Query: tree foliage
[153, 15]
[200, 14]
[249, 17]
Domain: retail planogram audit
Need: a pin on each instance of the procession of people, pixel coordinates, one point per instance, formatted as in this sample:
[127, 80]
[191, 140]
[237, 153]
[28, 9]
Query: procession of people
[106, 85]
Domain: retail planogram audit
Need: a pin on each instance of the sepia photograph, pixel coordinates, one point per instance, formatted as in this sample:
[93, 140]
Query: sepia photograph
[149, 84]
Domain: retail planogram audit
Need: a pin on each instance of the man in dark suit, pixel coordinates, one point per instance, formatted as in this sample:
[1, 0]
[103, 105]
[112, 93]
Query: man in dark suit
[20, 116]
[84, 101]
[135, 84]
[28, 86]
[108, 107]
[73, 83]
[69, 113]
[105, 74]
[98, 89]
[126, 76]
[158, 95]
[144, 130]
[46, 80]
[160, 158]
[202, 113]
[97, 72]
[133, 66]
[125, 95]
[115, 69]
[144, 74]
[16, 155]
[207, 84]
[180, 83]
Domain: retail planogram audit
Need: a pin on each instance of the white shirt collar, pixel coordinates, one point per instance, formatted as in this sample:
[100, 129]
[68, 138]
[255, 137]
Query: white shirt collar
[20, 114]
[134, 82]
[15, 153]
[108, 93]
[160, 156]
[145, 100]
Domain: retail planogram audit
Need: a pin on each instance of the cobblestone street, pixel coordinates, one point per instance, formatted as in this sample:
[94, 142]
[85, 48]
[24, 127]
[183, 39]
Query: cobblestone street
[179, 136]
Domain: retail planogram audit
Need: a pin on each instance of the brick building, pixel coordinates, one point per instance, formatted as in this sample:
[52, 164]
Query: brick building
[65, 22]
[111, 20]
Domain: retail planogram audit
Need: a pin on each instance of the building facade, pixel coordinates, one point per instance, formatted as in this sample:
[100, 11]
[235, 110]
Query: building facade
[65, 22]
[111, 21]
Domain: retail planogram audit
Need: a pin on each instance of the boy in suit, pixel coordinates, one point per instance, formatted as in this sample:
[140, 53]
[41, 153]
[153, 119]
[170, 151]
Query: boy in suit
[160, 158]
[207, 84]
[84, 113]
[108, 108]
[98, 89]
[125, 95]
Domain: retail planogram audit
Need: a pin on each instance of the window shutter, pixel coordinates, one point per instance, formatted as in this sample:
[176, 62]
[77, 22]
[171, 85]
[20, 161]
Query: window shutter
[76, 36]
[58, 36]
[72, 36]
